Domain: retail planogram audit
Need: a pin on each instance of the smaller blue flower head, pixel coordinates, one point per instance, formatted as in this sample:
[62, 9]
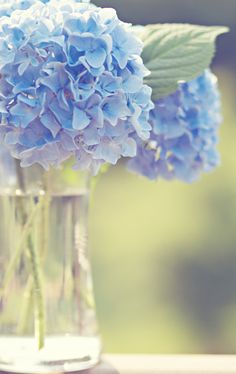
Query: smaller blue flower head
[71, 84]
[184, 133]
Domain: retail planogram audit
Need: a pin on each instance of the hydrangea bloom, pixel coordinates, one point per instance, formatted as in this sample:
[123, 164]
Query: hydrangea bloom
[184, 133]
[71, 84]
[7, 7]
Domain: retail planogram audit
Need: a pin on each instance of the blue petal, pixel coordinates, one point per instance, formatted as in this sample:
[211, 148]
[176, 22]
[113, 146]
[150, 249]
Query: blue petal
[80, 119]
[96, 58]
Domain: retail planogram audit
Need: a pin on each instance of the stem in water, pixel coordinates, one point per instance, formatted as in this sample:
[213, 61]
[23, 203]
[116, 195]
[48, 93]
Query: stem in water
[35, 261]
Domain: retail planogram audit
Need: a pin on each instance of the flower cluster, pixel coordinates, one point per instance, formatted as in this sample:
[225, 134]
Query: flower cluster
[184, 133]
[71, 84]
[7, 7]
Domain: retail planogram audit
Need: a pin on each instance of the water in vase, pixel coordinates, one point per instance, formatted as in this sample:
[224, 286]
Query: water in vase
[47, 310]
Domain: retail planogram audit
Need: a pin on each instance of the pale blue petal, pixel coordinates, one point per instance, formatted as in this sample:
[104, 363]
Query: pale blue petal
[80, 119]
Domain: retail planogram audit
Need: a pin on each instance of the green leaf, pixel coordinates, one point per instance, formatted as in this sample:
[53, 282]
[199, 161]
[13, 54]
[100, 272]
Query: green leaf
[176, 52]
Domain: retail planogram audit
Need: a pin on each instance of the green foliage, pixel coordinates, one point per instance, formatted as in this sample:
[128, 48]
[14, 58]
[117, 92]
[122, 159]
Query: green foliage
[176, 52]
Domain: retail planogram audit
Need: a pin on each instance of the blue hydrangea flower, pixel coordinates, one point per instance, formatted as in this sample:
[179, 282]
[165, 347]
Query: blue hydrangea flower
[71, 84]
[184, 133]
[7, 7]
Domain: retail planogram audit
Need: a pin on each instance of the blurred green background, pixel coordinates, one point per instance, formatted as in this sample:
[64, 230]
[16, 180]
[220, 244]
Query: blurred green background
[164, 253]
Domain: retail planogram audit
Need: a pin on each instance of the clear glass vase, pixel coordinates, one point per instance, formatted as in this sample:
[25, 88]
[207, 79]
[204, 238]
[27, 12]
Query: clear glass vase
[47, 310]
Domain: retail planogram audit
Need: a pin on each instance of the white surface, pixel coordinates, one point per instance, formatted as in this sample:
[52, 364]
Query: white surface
[189, 364]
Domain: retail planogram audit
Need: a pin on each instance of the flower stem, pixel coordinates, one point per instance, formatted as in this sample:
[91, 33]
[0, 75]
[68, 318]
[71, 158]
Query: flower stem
[39, 317]
[35, 261]
[19, 249]
[44, 224]
[25, 316]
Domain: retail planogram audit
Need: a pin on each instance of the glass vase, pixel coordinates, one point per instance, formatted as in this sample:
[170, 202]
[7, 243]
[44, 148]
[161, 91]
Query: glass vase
[47, 310]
